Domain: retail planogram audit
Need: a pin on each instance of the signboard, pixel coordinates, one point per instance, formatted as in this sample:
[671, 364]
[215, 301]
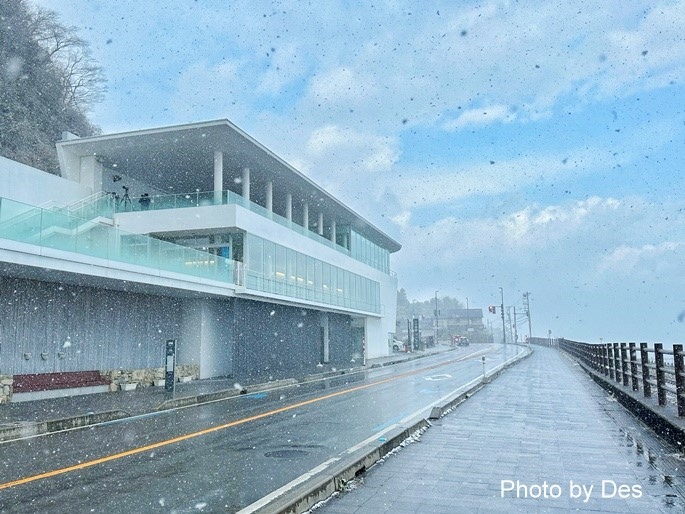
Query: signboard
[169, 379]
[417, 334]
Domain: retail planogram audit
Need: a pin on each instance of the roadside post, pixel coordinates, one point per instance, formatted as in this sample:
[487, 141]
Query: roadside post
[482, 359]
[417, 334]
[169, 378]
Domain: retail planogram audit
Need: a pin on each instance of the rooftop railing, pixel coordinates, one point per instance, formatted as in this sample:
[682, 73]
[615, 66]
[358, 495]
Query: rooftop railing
[207, 198]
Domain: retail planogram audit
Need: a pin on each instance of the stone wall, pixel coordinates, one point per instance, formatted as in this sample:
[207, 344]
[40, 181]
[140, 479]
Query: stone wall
[142, 377]
[146, 377]
[5, 388]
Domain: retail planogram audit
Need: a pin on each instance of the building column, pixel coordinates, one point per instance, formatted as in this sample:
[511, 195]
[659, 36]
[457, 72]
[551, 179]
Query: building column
[270, 196]
[91, 174]
[333, 231]
[305, 215]
[218, 176]
[289, 207]
[246, 183]
[326, 337]
[320, 224]
[345, 242]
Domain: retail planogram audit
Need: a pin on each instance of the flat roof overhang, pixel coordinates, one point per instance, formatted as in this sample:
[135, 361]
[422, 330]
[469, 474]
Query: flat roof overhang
[180, 159]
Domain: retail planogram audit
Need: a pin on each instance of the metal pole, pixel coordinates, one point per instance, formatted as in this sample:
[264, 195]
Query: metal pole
[501, 307]
[516, 333]
[511, 330]
[526, 296]
[436, 319]
[468, 317]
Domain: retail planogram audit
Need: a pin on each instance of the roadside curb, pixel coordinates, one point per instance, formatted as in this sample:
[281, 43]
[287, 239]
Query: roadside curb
[28, 429]
[400, 360]
[317, 486]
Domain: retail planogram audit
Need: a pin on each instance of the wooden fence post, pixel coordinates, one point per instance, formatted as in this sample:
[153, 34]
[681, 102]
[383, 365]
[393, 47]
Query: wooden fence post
[660, 375]
[624, 365]
[644, 357]
[633, 367]
[679, 380]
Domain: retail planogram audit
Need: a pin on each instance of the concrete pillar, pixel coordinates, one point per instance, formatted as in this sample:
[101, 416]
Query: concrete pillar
[218, 176]
[91, 174]
[333, 231]
[326, 340]
[246, 183]
[320, 224]
[270, 196]
[305, 215]
[289, 207]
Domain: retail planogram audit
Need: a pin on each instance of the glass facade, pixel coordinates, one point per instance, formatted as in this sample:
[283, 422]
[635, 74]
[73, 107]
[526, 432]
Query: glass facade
[369, 253]
[347, 241]
[276, 269]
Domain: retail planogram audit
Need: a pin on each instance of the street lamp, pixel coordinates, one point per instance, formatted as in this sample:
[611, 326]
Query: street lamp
[504, 330]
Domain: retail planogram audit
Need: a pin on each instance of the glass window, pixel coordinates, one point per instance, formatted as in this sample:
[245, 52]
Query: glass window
[280, 264]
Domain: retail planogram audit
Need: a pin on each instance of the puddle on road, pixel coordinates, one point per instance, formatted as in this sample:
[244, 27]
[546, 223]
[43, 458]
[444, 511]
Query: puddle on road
[287, 454]
[663, 469]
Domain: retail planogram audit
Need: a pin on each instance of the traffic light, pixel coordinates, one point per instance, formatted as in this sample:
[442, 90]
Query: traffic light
[492, 309]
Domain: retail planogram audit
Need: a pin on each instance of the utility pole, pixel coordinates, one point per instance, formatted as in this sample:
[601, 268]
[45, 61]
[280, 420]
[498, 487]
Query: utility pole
[511, 330]
[516, 334]
[436, 319]
[501, 308]
[526, 299]
[468, 317]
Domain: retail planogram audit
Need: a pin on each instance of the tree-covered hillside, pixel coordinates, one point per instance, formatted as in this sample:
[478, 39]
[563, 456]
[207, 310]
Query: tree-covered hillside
[48, 81]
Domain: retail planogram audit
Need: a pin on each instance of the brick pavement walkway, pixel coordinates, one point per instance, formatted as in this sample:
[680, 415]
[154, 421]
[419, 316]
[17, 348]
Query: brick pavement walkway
[542, 421]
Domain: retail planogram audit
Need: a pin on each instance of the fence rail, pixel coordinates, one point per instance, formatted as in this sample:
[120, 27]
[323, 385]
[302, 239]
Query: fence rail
[631, 366]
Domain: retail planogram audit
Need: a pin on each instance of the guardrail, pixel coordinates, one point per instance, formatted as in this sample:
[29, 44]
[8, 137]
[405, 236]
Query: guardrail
[620, 362]
[544, 341]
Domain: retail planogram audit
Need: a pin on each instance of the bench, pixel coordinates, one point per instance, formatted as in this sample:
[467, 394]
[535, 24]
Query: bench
[64, 380]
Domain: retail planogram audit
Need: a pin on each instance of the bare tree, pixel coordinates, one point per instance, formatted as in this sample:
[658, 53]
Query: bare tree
[48, 82]
[83, 81]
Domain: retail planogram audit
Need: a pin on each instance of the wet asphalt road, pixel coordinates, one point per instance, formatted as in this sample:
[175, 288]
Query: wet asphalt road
[225, 455]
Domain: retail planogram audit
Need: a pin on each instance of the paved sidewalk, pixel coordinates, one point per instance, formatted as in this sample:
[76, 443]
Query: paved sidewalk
[544, 421]
[146, 399]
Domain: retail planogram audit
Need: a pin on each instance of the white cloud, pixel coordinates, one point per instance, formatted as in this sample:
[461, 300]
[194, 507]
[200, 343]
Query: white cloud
[286, 66]
[211, 89]
[481, 117]
[350, 149]
[626, 259]
[340, 85]
[442, 186]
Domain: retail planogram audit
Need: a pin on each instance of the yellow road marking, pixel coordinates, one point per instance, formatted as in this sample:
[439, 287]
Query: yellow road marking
[173, 440]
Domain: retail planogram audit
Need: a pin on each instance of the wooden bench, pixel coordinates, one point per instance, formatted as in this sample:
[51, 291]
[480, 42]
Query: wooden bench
[63, 380]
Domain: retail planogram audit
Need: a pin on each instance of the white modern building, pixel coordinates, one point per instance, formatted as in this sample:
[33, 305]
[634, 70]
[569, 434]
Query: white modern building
[196, 233]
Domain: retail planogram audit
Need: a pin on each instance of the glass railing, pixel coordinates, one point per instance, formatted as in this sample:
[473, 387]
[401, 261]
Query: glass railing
[200, 199]
[62, 231]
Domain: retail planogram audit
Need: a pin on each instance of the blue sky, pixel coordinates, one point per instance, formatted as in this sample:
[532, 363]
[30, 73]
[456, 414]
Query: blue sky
[534, 146]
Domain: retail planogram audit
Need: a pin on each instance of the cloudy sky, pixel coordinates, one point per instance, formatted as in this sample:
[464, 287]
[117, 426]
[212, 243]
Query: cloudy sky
[533, 146]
